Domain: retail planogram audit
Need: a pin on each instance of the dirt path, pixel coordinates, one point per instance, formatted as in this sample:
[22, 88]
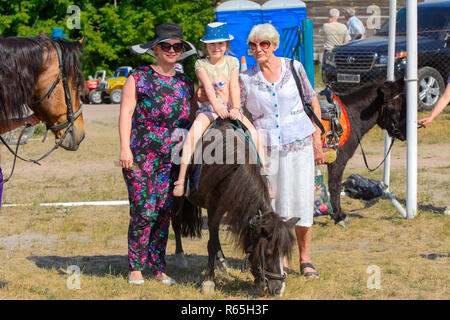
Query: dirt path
[100, 111]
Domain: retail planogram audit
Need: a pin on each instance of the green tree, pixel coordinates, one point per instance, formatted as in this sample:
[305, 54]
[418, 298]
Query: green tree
[110, 27]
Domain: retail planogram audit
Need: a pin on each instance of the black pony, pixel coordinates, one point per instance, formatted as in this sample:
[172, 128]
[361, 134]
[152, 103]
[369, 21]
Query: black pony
[240, 191]
[384, 105]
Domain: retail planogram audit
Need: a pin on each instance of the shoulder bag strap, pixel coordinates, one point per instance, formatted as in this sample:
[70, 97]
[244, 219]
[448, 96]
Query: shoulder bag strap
[308, 109]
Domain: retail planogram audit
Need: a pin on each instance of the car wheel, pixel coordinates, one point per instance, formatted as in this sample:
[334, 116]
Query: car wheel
[430, 87]
[116, 96]
[95, 97]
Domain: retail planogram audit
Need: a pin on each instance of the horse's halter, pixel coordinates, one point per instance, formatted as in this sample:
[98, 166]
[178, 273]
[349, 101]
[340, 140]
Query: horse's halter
[385, 115]
[265, 275]
[71, 117]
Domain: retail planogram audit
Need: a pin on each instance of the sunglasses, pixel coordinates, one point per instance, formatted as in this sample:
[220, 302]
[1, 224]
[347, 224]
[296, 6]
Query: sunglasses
[263, 45]
[177, 47]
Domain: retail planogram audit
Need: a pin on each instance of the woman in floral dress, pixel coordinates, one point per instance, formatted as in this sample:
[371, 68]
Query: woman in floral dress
[155, 105]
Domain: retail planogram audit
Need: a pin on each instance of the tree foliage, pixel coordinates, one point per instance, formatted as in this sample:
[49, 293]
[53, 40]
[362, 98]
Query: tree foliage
[110, 26]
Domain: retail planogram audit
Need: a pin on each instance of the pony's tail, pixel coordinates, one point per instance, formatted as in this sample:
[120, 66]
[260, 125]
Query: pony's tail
[189, 219]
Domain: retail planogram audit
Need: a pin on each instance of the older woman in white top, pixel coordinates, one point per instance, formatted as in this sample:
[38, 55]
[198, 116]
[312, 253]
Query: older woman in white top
[270, 94]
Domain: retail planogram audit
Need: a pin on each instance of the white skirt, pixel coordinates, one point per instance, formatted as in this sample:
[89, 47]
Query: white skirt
[293, 184]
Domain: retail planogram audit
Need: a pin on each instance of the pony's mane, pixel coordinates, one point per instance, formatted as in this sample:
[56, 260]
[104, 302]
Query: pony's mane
[363, 97]
[241, 191]
[21, 62]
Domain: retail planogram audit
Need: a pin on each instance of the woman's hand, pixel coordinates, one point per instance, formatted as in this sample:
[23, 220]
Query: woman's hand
[234, 113]
[126, 158]
[425, 121]
[318, 152]
[201, 95]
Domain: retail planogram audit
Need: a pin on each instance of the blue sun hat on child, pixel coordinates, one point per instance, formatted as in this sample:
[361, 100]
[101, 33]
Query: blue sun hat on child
[216, 32]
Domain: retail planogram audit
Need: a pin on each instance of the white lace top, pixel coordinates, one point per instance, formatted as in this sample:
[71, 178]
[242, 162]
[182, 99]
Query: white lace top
[276, 108]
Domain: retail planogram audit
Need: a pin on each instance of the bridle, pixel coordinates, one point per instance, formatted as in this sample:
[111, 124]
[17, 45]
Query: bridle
[69, 123]
[266, 276]
[395, 126]
[395, 130]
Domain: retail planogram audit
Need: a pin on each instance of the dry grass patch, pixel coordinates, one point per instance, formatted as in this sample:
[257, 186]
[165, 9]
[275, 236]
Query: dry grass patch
[38, 244]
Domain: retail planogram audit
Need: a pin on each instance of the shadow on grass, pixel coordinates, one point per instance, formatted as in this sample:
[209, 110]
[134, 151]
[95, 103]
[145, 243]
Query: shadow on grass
[117, 266]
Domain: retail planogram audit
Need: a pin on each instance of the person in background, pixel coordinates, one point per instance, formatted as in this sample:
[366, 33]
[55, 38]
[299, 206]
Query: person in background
[440, 105]
[354, 26]
[336, 33]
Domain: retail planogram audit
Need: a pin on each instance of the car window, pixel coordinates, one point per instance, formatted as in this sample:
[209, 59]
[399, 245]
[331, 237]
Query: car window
[430, 19]
[121, 73]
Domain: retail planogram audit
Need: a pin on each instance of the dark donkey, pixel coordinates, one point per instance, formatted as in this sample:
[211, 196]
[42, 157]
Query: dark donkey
[46, 76]
[240, 191]
[384, 105]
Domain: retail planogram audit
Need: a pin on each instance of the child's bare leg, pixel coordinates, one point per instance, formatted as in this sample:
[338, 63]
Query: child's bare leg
[195, 133]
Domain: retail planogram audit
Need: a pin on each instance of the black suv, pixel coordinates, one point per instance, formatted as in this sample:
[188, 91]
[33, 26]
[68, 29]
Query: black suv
[362, 63]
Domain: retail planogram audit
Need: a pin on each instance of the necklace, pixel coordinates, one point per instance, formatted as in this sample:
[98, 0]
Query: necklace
[158, 69]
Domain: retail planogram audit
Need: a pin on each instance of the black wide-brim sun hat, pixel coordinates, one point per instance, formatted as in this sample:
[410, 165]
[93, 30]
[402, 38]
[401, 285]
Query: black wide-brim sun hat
[164, 32]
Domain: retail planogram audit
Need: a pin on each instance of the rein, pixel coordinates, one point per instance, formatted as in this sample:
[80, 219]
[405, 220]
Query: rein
[71, 116]
[395, 130]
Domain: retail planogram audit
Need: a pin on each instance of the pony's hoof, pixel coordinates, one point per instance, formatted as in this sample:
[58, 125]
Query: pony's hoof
[342, 224]
[180, 261]
[223, 265]
[208, 287]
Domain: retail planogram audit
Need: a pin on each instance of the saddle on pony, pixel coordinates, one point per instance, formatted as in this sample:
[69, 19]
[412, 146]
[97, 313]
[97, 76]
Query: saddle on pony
[195, 167]
[335, 122]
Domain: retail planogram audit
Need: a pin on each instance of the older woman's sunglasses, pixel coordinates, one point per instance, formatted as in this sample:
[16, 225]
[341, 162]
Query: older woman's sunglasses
[177, 47]
[263, 45]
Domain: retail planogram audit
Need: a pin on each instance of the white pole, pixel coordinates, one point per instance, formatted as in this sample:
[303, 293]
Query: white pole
[411, 113]
[72, 204]
[390, 77]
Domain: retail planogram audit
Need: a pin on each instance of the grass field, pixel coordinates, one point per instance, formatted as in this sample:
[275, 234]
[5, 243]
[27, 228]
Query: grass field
[38, 244]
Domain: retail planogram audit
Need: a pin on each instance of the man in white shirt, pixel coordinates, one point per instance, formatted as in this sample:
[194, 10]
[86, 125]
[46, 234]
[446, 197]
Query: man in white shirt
[355, 26]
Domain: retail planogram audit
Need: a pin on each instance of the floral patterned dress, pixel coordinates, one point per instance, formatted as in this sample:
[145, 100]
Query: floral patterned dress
[162, 109]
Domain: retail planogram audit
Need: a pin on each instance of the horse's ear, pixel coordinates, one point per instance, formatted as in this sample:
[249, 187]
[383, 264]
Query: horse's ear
[81, 41]
[291, 222]
[387, 86]
[42, 34]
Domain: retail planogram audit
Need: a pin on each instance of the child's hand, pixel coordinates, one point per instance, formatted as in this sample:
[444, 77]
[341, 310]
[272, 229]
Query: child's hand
[234, 113]
[223, 113]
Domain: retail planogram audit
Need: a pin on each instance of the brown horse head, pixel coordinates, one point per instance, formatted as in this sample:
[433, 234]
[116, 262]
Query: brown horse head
[31, 74]
[393, 110]
[54, 109]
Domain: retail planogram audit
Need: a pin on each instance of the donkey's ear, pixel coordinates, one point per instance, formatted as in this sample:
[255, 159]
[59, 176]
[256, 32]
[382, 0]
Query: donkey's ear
[291, 222]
